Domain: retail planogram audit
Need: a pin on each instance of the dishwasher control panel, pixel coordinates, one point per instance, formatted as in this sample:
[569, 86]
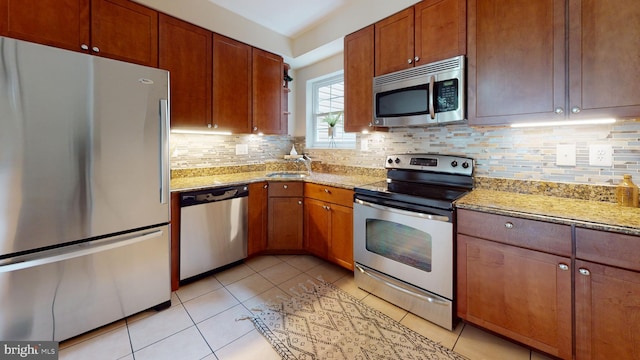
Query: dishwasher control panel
[212, 195]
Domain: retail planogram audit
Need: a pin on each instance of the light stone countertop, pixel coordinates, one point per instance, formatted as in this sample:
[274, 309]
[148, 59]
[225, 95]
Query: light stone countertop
[598, 215]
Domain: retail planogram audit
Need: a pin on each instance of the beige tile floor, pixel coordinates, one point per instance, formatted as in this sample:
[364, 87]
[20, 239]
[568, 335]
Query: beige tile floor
[205, 319]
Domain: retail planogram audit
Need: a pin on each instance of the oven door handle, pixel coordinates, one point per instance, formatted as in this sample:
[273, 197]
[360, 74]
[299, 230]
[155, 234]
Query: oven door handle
[404, 212]
[429, 298]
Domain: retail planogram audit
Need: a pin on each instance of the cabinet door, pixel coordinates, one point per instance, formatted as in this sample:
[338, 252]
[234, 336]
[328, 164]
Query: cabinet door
[440, 30]
[358, 78]
[317, 221]
[285, 223]
[267, 74]
[394, 42]
[604, 58]
[522, 294]
[59, 23]
[516, 61]
[257, 218]
[231, 85]
[185, 51]
[124, 30]
[341, 236]
[607, 312]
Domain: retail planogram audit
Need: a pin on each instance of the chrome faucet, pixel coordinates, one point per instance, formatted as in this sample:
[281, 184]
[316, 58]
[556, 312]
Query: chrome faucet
[306, 160]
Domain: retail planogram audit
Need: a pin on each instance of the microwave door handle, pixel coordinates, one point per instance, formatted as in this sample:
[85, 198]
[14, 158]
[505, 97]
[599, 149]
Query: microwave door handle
[430, 96]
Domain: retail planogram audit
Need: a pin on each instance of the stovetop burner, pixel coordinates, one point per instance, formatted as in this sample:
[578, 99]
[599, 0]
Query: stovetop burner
[430, 180]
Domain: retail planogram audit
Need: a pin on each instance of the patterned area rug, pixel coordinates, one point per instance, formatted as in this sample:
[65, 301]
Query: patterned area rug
[324, 322]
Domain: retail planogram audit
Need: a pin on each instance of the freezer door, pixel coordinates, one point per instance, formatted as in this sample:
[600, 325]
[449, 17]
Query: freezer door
[58, 294]
[83, 146]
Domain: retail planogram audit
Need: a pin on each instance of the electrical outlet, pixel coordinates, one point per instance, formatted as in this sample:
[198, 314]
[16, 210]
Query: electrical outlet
[600, 155]
[566, 155]
[242, 149]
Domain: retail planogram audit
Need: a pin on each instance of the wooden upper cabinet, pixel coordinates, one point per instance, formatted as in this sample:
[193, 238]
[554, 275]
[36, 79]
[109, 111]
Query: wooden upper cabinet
[440, 30]
[231, 85]
[267, 77]
[516, 60]
[358, 77]
[394, 42]
[124, 30]
[59, 23]
[431, 30]
[604, 58]
[185, 51]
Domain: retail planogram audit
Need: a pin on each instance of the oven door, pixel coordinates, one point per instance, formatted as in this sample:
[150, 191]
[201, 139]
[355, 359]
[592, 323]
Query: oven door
[413, 247]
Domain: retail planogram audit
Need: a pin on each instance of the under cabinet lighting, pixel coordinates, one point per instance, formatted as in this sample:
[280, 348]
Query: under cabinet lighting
[564, 123]
[204, 132]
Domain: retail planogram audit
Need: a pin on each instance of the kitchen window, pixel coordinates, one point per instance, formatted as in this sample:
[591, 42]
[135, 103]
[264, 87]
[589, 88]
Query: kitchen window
[327, 101]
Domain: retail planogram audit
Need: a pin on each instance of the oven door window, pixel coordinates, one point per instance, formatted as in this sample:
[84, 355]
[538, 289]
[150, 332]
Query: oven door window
[399, 242]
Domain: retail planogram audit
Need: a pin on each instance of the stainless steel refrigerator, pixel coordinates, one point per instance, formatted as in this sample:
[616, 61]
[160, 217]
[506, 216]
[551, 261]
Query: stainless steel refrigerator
[84, 193]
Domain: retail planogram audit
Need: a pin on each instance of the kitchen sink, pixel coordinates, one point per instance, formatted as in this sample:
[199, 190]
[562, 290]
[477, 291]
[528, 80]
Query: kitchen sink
[288, 175]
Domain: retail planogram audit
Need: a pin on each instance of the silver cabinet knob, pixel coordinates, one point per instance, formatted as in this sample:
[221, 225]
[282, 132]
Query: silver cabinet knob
[509, 225]
[575, 109]
[327, 191]
[584, 272]
[563, 267]
[299, 202]
[95, 49]
[255, 128]
[215, 126]
[209, 126]
[409, 61]
[285, 186]
[416, 59]
[370, 124]
[84, 47]
[559, 111]
[265, 186]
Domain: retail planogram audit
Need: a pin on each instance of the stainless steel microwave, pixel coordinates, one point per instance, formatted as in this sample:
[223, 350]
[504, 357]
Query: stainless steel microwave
[429, 94]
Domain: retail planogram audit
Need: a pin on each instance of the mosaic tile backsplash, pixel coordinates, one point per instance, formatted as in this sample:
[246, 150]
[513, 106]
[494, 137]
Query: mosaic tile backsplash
[499, 152]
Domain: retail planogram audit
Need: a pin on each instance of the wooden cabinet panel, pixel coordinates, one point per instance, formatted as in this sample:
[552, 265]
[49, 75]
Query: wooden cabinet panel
[536, 235]
[124, 30]
[317, 224]
[267, 76]
[516, 60]
[286, 188]
[440, 30]
[59, 23]
[330, 194]
[522, 294]
[608, 248]
[257, 218]
[185, 51]
[607, 312]
[358, 77]
[604, 58]
[394, 42]
[285, 223]
[341, 245]
[231, 85]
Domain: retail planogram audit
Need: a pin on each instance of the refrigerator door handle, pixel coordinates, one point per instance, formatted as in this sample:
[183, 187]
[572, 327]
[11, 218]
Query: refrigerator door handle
[164, 149]
[19, 265]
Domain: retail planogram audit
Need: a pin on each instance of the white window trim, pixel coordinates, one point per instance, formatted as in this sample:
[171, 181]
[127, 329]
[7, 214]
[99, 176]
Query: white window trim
[311, 87]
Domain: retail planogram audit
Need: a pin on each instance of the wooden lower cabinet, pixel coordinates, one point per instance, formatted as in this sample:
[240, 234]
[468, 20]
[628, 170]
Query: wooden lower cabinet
[257, 214]
[285, 216]
[317, 224]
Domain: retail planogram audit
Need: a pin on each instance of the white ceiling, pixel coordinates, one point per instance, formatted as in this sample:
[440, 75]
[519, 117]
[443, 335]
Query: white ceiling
[286, 17]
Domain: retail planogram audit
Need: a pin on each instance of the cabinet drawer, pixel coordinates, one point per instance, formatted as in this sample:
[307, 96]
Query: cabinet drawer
[608, 248]
[330, 194]
[531, 234]
[286, 188]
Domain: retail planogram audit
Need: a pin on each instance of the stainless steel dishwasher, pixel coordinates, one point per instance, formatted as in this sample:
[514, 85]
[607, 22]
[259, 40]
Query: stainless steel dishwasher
[213, 229]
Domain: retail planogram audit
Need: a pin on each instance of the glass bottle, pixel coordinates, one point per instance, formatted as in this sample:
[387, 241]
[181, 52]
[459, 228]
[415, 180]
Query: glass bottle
[627, 192]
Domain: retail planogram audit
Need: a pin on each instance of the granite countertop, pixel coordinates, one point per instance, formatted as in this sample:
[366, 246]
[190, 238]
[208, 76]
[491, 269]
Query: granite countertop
[346, 181]
[598, 215]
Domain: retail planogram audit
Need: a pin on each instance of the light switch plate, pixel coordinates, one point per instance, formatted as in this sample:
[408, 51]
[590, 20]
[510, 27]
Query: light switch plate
[566, 155]
[600, 155]
[242, 149]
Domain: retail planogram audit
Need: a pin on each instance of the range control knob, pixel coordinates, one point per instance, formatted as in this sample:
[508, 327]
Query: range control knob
[390, 161]
[397, 161]
[454, 163]
[465, 164]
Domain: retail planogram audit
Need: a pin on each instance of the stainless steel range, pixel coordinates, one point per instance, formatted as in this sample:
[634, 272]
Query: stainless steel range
[403, 233]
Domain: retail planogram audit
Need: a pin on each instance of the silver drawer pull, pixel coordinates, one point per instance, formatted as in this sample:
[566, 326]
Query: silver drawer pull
[327, 191]
[584, 272]
[285, 186]
[564, 267]
[508, 225]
